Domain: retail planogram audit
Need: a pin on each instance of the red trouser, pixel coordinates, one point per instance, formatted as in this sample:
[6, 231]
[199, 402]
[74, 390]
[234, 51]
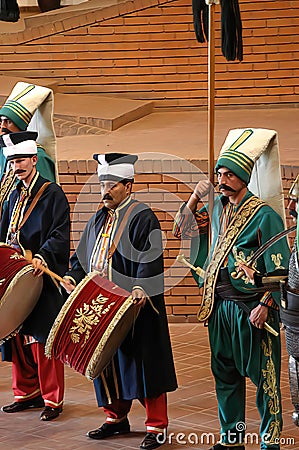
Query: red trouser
[33, 374]
[156, 412]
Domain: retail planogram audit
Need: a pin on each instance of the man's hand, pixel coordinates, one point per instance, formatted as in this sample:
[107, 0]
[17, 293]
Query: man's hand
[38, 265]
[139, 297]
[249, 272]
[203, 188]
[258, 316]
[67, 285]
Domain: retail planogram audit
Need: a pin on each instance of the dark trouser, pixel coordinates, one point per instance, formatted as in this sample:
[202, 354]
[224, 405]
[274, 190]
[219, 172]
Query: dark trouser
[240, 350]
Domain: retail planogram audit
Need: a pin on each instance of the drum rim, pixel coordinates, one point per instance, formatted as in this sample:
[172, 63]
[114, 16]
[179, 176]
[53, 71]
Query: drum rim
[66, 306]
[23, 271]
[13, 281]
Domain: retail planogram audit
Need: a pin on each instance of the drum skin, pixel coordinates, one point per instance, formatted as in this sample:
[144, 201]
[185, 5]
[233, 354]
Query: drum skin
[19, 290]
[91, 325]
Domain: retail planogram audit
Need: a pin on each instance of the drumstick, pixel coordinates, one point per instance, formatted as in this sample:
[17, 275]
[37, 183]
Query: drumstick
[28, 256]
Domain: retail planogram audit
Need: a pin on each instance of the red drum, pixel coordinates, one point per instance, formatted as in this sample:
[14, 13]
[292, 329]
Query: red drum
[19, 290]
[91, 325]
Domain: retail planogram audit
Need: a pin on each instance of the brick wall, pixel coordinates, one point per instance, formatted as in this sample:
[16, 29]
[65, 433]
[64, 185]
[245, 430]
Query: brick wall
[146, 49]
[164, 185]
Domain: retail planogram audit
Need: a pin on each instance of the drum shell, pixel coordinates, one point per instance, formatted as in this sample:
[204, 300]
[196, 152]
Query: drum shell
[19, 290]
[91, 325]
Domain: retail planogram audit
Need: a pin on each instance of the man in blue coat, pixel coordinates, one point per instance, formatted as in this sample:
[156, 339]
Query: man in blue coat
[36, 219]
[143, 366]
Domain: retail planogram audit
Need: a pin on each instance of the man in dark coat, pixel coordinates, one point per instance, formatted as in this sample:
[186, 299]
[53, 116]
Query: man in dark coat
[37, 381]
[143, 366]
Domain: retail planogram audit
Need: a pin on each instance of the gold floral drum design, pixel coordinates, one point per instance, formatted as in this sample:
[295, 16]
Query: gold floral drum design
[19, 290]
[91, 325]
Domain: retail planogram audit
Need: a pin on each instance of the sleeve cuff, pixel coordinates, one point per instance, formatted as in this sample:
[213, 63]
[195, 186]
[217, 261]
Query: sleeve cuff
[267, 300]
[70, 279]
[37, 255]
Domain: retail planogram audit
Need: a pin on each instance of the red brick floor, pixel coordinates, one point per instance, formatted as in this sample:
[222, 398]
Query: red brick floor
[192, 408]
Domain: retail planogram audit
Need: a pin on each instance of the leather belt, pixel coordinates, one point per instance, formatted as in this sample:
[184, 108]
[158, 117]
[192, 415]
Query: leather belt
[292, 300]
[226, 291]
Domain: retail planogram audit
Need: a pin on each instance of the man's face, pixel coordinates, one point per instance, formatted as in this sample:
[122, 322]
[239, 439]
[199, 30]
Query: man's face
[24, 168]
[7, 126]
[229, 183]
[113, 193]
[293, 207]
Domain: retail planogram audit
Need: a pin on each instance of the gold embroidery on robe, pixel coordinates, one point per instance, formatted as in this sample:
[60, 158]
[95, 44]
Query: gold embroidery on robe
[271, 389]
[241, 258]
[222, 249]
[277, 260]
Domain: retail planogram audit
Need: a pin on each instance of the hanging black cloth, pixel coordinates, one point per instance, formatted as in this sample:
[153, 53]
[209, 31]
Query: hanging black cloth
[231, 30]
[231, 27]
[9, 11]
[201, 20]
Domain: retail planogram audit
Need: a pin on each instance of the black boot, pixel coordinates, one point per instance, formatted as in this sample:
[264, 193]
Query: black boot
[110, 429]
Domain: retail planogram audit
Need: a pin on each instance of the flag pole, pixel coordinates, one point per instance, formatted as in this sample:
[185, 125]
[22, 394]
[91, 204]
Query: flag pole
[211, 106]
[211, 90]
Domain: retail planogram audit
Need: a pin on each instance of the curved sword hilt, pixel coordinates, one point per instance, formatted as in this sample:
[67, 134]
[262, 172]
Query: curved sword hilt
[198, 270]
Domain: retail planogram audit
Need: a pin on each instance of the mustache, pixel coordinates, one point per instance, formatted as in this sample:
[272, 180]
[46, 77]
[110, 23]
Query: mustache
[226, 187]
[107, 197]
[5, 130]
[293, 213]
[18, 171]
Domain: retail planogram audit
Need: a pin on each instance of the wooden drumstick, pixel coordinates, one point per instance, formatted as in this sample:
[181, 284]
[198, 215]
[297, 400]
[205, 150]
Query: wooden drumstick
[28, 256]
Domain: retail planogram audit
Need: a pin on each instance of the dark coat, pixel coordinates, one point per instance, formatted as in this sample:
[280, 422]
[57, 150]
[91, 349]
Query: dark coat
[144, 360]
[46, 233]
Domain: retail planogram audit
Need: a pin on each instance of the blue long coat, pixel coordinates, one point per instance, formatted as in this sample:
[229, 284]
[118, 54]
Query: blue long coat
[144, 362]
[47, 233]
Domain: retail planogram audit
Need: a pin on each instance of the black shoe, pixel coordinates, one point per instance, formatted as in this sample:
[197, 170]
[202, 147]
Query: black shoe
[36, 402]
[227, 447]
[150, 442]
[110, 429]
[50, 413]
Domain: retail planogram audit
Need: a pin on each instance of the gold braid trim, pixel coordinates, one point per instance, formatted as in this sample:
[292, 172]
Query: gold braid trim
[62, 313]
[7, 187]
[271, 389]
[221, 250]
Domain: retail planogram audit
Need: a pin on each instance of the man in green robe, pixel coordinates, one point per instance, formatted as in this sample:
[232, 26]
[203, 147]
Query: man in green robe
[235, 309]
[28, 107]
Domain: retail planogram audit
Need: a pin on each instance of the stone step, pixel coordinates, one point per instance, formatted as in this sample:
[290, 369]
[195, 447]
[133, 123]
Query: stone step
[68, 128]
[108, 113]
[85, 112]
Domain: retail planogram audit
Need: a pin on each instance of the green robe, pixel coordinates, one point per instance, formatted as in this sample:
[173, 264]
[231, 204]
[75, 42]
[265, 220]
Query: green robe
[238, 349]
[45, 165]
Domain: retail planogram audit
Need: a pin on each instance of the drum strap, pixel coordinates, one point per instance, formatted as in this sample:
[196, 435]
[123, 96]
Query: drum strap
[120, 230]
[33, 203]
